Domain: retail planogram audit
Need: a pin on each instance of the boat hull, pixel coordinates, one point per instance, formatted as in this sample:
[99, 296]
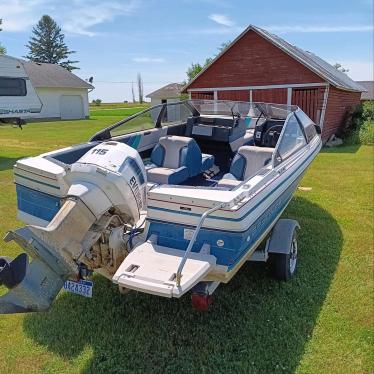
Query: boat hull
[233, 235]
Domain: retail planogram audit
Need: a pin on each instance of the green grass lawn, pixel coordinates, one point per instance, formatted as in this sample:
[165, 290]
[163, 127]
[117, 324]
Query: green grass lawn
[118, 105]
[320, 322]
[124, 112]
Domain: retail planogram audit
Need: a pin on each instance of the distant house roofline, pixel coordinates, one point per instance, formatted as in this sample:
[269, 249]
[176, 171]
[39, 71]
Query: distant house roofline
[369, 94]
[171, 90]
[45, 75]
[308, 59]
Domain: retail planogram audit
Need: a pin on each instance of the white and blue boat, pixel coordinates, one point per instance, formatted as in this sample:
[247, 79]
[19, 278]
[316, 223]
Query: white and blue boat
[175, 208]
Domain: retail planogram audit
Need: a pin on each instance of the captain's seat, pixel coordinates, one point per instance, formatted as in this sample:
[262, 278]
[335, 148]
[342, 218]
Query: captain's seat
[175, 159]
[247, 162]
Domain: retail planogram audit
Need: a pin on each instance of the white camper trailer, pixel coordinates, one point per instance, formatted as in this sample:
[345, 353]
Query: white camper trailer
[18, 98]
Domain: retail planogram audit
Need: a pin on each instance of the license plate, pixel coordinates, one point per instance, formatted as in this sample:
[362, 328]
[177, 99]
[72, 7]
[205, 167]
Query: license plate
[82, 287]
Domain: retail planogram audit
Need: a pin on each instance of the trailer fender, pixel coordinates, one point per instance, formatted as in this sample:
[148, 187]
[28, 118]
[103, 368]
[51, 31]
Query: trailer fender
[281, 237]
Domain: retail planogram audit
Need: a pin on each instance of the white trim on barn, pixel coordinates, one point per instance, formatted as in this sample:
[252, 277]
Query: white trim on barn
[267, 87]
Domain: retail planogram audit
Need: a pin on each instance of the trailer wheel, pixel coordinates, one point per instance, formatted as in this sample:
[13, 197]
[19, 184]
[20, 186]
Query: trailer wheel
[284, 264]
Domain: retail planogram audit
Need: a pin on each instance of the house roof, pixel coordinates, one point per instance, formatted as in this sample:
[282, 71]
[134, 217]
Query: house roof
[169, 91]
[308, 59]
[369, 94]
[52, 75]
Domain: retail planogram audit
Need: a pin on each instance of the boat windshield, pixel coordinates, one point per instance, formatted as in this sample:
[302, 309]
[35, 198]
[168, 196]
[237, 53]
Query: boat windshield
[242, 108]
[178, 112]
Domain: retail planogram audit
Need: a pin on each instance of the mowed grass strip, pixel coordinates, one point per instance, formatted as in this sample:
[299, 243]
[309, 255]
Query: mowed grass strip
[119, 105]
[320, 322]
[124, 112]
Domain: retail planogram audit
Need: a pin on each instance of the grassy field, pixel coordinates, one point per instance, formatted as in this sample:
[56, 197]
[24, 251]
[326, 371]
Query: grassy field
[118, 105]
[320, 322]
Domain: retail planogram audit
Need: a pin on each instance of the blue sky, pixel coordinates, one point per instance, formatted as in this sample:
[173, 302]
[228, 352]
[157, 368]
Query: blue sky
[115, 39]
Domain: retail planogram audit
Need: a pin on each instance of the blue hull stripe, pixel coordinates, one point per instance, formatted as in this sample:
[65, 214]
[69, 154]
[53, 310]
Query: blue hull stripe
[235, 244]
[233, 219]
[36, 203]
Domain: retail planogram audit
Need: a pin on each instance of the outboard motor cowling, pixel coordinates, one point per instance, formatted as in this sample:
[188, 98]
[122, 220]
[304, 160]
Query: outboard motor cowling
[107, 185]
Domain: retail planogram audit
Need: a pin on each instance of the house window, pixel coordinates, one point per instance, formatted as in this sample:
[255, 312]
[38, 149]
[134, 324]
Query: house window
[12, 87]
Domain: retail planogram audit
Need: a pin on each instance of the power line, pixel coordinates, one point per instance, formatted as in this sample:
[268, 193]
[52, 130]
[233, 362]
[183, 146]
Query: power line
[164, 82]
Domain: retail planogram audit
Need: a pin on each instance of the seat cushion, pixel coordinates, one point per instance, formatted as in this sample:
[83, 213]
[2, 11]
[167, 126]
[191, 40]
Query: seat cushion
[167, 176]
[228, 180]
[249, 160]
[248, 137]
[207, 162]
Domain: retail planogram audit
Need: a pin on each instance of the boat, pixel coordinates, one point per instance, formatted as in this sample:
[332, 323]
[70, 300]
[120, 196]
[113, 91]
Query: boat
[174, 208]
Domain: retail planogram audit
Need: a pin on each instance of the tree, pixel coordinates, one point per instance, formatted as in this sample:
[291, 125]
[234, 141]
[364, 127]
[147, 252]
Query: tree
[339, 67]
[97, 102]
[47, 44]
[140, 88]
[133, 92]
[196, 68]
[223, 46]
[2, 48]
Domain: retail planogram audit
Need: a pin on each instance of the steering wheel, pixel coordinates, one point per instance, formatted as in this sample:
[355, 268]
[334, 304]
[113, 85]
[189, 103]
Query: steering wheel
[271, 136]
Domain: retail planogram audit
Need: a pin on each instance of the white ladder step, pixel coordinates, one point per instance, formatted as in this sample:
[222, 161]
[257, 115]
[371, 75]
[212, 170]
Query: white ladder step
[151, 268]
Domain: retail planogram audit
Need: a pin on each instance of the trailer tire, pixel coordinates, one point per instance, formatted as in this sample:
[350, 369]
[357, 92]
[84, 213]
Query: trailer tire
[283, 265]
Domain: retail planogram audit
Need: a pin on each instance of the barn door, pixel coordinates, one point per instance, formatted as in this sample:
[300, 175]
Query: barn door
[310, 100]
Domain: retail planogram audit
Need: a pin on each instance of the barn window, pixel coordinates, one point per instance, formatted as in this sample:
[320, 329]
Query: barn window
[12, 87]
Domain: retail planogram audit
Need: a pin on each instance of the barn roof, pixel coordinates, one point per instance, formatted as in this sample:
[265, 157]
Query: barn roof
[369, 94]
[53, 76]
[169, 91]
[308, 59]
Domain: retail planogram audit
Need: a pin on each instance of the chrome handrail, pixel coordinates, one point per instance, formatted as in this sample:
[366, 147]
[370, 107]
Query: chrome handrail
[178, 275]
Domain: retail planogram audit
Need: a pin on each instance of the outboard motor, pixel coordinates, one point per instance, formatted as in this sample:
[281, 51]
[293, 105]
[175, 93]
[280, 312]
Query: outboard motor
[107, 187]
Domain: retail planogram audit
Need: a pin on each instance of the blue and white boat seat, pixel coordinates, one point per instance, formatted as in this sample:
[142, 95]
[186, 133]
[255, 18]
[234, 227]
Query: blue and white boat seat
[247, 162]
[175, 159]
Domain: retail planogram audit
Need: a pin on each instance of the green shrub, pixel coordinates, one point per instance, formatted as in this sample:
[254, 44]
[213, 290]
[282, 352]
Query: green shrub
[368, 110]
[352, 121]
[366, 132]
[363, 135]
[358, 127]
[96, 102]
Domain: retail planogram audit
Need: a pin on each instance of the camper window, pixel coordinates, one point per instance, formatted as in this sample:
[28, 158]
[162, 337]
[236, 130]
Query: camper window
[12, 87]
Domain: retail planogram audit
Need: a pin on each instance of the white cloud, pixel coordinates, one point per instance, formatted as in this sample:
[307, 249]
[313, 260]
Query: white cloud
[221, 19]
[19, 15]
[318, 29]
[75, 16]
[148, 59]
[87, 14]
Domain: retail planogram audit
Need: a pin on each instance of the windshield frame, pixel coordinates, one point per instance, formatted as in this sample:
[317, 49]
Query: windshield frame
[264, 109]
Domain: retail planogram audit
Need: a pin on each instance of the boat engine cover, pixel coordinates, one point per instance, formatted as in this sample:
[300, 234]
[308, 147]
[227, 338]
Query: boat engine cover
[118, 170]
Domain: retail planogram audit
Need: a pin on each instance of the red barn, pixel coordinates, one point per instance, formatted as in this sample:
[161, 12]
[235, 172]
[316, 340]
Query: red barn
[260, 66]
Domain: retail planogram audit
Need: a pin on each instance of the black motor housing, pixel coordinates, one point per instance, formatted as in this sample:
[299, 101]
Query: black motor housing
[12, 271]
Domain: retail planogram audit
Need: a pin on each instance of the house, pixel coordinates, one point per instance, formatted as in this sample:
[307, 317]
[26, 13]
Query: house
[369, 94]
[260, 66]
[167, 94]
[63, 94]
